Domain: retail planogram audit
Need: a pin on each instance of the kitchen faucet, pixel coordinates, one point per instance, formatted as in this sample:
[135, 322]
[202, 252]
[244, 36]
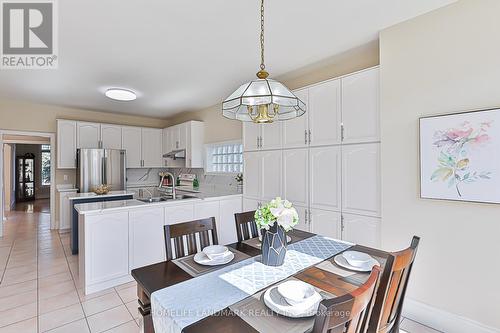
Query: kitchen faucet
[165, 174]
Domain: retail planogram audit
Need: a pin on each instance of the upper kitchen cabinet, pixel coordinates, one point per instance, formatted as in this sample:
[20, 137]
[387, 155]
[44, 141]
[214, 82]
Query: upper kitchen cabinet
[324, 114]
[111, 136]
[189, 137]
[88, 135]
[151, 151]
[296, 176]
[66, 144]
[262, 171]
[295, 131]
[132, 143]
[262, 136]
[360, 107]
[361, 179]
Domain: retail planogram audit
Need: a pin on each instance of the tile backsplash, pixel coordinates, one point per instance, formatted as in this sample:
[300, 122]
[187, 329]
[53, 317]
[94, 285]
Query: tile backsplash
[149, 177]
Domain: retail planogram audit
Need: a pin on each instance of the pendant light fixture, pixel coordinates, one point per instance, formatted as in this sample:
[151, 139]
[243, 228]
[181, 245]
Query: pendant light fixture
[262, 100]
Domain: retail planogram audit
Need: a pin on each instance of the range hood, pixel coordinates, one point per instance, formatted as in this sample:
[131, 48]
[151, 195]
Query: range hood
[176, 154]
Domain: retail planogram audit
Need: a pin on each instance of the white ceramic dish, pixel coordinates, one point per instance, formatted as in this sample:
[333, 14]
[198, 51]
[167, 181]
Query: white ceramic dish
[357, 259]
[342, 262]
[202, 259]
[215, 251]
[276, 302]
[295, 292]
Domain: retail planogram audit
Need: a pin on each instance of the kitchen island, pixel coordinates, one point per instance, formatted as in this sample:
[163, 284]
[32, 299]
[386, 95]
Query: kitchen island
[118, 236]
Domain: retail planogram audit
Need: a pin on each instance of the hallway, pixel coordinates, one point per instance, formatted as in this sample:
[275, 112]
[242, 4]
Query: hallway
[39, 290]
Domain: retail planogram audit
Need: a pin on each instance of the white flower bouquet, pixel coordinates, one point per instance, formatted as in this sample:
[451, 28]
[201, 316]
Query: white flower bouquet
[277, 211]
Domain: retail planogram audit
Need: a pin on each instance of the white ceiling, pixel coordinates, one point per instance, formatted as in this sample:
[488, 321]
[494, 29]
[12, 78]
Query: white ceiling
[186, 55]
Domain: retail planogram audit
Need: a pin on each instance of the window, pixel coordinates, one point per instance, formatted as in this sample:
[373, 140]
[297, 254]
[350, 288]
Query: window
[45, 165]
[225, 157]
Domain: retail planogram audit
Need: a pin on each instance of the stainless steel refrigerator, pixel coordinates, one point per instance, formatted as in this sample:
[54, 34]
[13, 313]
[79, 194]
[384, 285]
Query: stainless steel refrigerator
[100, 166]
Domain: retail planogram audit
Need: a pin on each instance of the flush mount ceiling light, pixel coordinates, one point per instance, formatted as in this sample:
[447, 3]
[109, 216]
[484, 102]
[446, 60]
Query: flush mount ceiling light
[120, 94]
[262, 100]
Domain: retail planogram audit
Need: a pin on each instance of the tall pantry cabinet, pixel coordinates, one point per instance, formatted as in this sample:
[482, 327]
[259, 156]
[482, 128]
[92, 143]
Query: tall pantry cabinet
[328, 161]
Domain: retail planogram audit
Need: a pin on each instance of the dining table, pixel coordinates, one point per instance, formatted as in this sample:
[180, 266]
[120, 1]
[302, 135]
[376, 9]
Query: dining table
[166, 283]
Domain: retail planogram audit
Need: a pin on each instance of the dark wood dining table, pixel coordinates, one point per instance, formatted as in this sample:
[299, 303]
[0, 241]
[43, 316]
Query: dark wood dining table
[161, 275]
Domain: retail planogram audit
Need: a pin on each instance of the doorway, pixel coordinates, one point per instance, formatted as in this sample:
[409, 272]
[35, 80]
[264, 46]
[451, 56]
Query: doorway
[27, 163]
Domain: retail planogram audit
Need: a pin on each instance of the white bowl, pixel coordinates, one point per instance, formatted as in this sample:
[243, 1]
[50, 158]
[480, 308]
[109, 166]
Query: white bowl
[295, 292]
[215, 251]
[356, 259]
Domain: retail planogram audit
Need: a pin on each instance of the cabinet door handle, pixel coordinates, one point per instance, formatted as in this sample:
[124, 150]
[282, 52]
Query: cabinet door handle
[309, 136]
[257, 142]
[305, 137]
[261, 144]
[342, 132]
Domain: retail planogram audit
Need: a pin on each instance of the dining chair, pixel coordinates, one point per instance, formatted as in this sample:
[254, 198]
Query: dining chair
[245, 225]
[388, 304]
[184, 237]
[346, 314]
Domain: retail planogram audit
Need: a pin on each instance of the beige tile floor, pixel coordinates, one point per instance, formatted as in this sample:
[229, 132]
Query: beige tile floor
[40, 291]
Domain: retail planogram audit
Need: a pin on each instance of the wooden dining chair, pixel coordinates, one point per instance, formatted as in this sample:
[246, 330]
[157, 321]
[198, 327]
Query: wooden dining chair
[388, 304]
[186, 232]
[245, 225]
[346, 314]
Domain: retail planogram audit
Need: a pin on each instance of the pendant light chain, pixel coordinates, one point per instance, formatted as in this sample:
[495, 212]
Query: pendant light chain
[262, 65]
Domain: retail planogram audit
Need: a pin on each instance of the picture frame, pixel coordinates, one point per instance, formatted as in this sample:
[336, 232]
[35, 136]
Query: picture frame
[459, 156]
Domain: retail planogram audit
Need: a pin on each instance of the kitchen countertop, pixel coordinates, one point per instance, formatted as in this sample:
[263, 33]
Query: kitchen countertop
[92, 194]
[106, 206]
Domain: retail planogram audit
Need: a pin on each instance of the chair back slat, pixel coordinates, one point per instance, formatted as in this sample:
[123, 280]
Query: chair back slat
[246, 227]
[346, 313]
[389, 300]
[184, 237]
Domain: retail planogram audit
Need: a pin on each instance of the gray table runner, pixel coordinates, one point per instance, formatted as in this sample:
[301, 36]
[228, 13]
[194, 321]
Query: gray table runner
[175, 307]
[255, 242]
[254, 311]
[194, 269]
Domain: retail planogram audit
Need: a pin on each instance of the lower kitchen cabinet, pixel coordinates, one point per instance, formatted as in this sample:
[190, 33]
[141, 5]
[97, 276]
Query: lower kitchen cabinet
[180, 213]
[104, 251]
[362, 230]
[250, 204]
[204, 210]
[146, 242]
[325, 223]
[302, 225]
[226, 225]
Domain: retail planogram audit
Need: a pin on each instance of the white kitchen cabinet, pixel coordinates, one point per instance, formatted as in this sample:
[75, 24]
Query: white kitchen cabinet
[178, 214]
[111, 136]
[66, 144]
[131, 142]
[270, 174]
[325, 113]
[178, 136]
[104, 248]
[296, 176]
[151, 150]
[251, 136]
[363, 230]
[188, 136]
[166, 140]
[146, 242]
[252, 186]
[325, 177]
[360, 107]
[295, 131]
[303, 224]
[65, 210]
[250, 204]
[271, 135]
[88, 135]
[206, 209]
[361, 179]
[226, 224]
[326, 223]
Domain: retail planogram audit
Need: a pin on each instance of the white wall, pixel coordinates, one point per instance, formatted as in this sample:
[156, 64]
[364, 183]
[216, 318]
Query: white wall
[444, 61]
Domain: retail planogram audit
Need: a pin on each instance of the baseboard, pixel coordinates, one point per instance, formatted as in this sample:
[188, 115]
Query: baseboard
[441, 320]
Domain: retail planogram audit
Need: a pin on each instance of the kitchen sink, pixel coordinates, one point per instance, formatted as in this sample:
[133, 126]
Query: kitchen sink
[166, 198]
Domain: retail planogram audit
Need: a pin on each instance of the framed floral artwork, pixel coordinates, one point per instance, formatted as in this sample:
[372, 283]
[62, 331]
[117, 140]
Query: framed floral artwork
[460, 156]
